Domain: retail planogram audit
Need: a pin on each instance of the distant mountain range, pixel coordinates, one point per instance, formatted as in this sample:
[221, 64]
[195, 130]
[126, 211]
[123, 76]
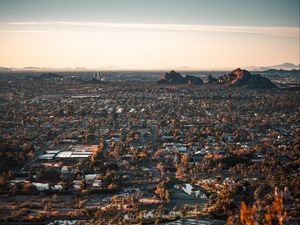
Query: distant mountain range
[282, 69]
[5, 69]
[281, 73]
[284, 66]
[34, 68]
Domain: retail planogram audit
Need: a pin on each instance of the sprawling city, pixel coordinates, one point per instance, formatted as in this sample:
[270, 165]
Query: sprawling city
[130, 135]
[149, 151]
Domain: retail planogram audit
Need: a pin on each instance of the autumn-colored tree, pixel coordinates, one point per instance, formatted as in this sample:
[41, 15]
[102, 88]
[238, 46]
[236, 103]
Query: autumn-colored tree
[180, 173]
[276, 214]
[185, 161]
[163, 192]
[162, 169]
[247, 215]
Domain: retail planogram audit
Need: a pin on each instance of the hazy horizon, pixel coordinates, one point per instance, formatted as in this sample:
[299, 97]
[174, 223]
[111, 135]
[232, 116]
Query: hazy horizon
[149, 35]
[116, 69]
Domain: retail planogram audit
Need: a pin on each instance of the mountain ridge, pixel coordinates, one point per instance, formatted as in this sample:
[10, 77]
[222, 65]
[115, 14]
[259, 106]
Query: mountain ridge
[236, 78]
[283, 66]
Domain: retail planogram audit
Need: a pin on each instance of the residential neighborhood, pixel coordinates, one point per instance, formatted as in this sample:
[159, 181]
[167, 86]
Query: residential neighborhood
[138, 152]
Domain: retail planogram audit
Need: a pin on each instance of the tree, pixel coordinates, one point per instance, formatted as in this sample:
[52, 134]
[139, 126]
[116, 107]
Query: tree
[83, 184]
[168, 196]
[185, 161]
[180, 173]
[247, 215]
[29, 188]
[162, 169]
[3, 183]
[163, 192]
[48, 174]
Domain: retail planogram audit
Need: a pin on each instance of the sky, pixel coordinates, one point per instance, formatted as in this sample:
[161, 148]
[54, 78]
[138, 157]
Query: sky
[149, 34]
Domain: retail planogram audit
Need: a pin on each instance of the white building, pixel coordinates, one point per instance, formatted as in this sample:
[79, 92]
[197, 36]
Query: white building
[191, 190]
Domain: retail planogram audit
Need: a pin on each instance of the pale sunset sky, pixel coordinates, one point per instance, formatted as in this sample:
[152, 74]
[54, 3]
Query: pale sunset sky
[149, 34]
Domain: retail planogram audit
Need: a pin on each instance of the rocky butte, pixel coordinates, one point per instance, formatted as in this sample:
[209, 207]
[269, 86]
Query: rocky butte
[243, 78]
[211, 80]
[236, 78]
[173, 77]
[49, 76]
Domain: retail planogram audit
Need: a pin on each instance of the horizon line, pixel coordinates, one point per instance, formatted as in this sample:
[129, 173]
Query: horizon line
[183, 68]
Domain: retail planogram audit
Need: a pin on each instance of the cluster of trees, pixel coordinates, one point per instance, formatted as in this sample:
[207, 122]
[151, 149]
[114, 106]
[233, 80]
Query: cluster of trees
[14, 157]
[222, 205]
[163, 192]
[48, 174]
[272, 214]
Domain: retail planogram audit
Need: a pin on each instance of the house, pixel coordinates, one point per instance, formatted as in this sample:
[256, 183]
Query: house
[91, 177]
[97, 184]
[191, 190]
[46, 157]
[41, 186]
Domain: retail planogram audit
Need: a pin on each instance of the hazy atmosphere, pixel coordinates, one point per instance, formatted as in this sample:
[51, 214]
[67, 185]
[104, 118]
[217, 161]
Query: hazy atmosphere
[167, 34]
